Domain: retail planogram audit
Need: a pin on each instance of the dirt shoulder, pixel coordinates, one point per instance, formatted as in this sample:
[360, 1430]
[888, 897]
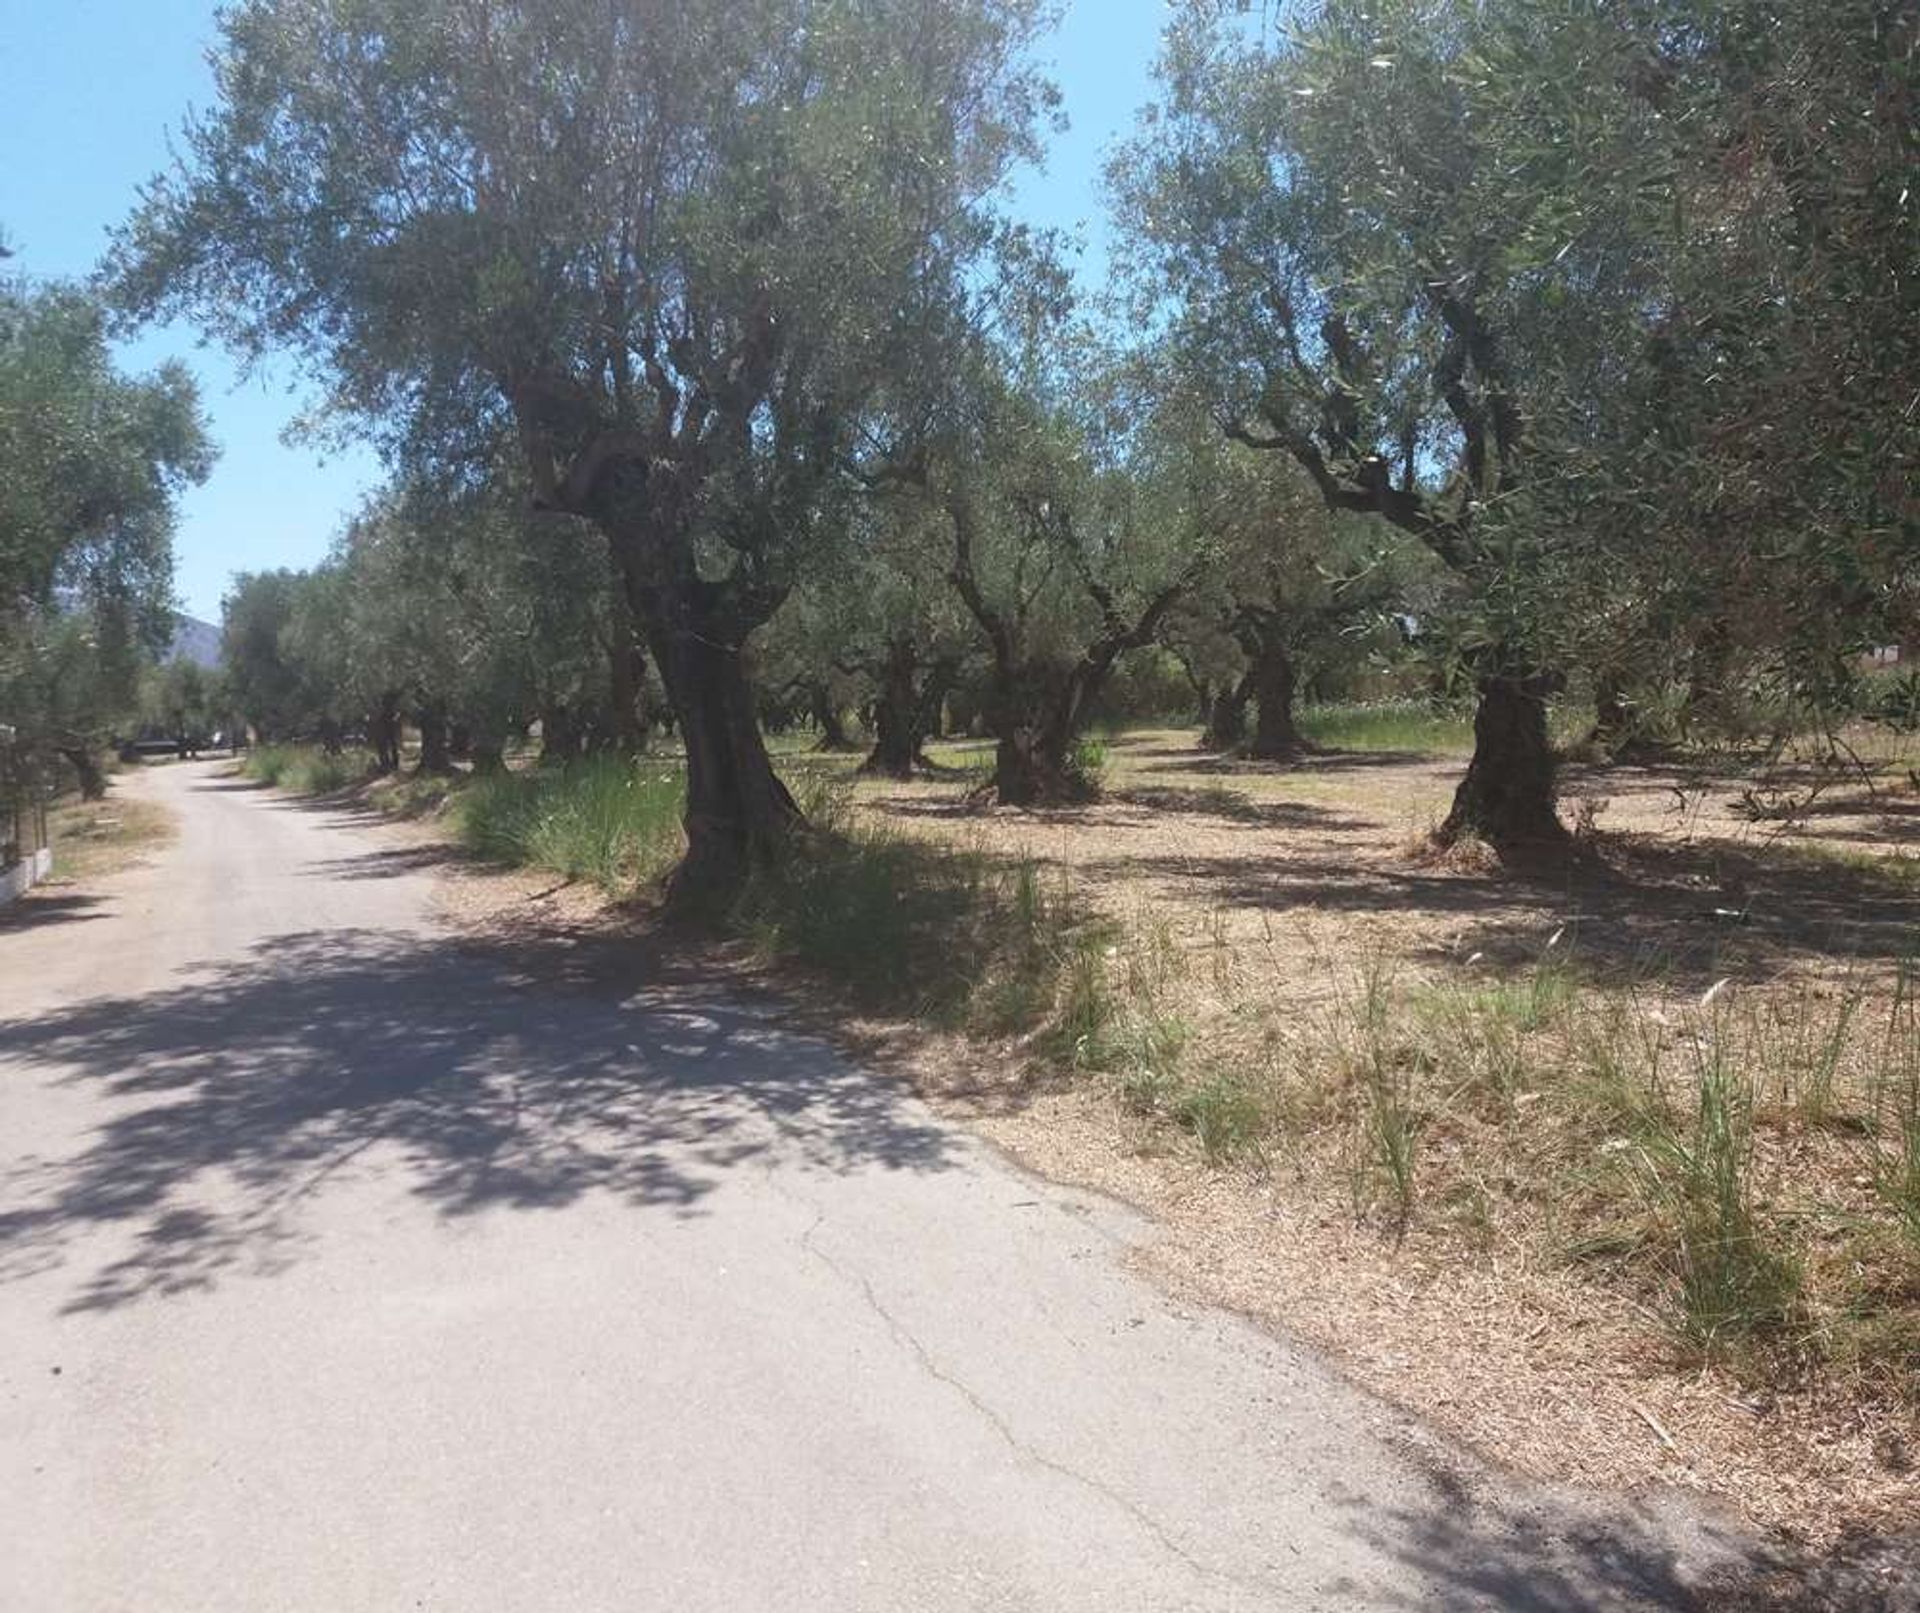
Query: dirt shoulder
[93, 843]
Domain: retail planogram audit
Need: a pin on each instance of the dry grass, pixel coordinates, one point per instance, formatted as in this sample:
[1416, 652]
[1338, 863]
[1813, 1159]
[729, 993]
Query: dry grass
[1499, 1143]
[95, 839]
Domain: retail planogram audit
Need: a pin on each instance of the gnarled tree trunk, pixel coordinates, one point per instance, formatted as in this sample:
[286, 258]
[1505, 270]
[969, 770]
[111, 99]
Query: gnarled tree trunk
[435, 755]
[647, 502]
[829, 719]
[1262, 632]
[1227, 717]
[1273, 680]
[1507, 795]
[1036, 713]
[1030, 768]
[86, 768]
[626, 680]
[739, 815]
[903, 712]
[383, 728]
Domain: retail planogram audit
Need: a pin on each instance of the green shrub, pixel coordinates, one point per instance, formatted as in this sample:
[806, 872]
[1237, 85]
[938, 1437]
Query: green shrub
[904, 925]
[612, 820]
[306, 769]
[1225, 1117]
[1087, 763]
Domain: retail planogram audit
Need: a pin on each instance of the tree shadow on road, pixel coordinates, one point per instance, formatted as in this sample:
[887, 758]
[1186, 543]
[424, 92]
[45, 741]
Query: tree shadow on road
[1536, 1549]
[515, 1074]
[42, 907]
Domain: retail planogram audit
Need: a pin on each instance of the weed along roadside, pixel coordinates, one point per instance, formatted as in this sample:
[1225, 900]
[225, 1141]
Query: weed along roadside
[1614, 1190]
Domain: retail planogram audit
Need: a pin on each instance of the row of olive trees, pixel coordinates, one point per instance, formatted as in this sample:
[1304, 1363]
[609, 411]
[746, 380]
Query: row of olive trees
[468, 620]
[1058, 519]
[92, 462]
[1483, 312]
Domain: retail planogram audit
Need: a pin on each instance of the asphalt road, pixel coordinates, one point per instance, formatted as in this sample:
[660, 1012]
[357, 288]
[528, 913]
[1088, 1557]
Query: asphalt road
[349, 1264]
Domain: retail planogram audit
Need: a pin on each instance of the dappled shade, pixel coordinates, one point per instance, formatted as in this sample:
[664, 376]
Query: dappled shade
[485, 1075]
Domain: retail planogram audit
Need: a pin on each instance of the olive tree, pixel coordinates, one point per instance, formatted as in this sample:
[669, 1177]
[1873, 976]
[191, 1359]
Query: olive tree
[1610, 307]
[1410, 245]
[675, 247]
[92, 463]
[1296, 594]
[881, 627]
[1069, 545]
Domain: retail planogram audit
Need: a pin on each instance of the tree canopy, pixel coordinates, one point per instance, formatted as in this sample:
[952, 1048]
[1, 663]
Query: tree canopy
[680, 252]
[92, 463]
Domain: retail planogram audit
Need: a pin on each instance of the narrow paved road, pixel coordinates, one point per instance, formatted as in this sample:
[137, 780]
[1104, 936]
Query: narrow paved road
[348, 1264]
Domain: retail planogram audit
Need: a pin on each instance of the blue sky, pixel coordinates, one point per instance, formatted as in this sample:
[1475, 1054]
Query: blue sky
[92, 88]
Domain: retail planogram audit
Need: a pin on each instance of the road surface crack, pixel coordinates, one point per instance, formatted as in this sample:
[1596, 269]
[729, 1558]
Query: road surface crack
[912, 1344]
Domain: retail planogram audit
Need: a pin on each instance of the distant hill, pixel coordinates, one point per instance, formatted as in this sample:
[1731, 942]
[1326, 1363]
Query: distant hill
[195, 641]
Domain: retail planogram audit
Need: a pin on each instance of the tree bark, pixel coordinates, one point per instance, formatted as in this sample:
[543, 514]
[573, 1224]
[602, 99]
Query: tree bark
[739, 815]
[645, 496]
[1274, 680]
[1507, 795]
[896, 743]
[904, 713]
[384, 730]
[626, 680]
[1030, 769]
[827, 717]
[86, 768]
[1227, 717]
[435, 756]
[1035, 713]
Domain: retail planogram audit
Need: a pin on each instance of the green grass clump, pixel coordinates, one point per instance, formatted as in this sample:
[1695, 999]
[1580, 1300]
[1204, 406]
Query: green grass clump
[612, 820]
[1224, 1115]
[1735, 1282]
[1413, 726]
[307, 769]
[902, 925]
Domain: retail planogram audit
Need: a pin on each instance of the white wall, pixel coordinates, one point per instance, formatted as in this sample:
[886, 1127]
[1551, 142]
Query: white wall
[23, 876]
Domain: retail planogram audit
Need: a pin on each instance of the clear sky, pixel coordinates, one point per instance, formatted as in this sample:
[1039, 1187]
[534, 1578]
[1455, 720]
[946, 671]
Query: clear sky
[89, 90]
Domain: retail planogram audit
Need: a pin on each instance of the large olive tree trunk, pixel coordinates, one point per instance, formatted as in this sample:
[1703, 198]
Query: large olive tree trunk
[907, 706]
[86, 768]
[436, 755]
[1227, 716]
[739, 815]
[1030, 765]
[1507, 795]
[626, 681]
[644, 487]
[1273, 678]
